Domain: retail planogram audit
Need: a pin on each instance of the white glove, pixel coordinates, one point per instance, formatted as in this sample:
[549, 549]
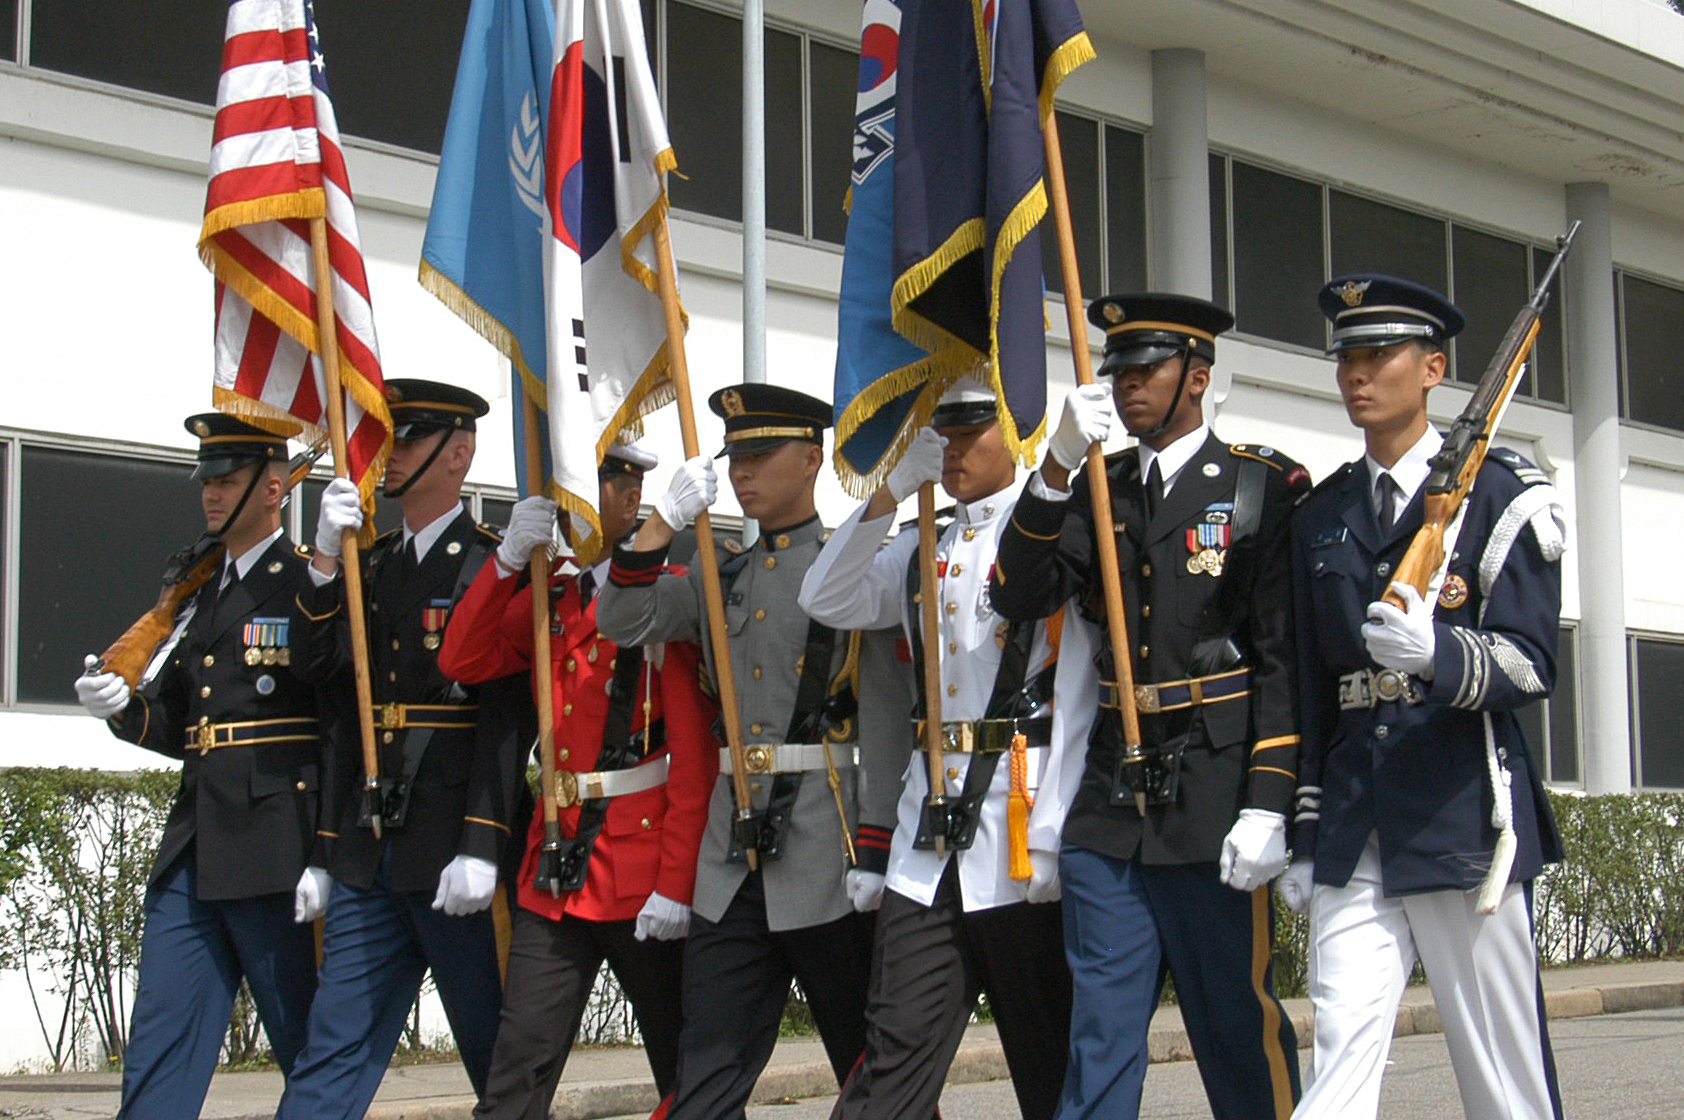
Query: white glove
[309, 898]
[1401, 640]
[865, 889]
[920, 464]
[102, 694]
[531, 526]
[694, 487]
[662, 918]
[1043, 876]
[466, 886]
[1087, 419]
[1254, 850]
[342, 508]
[1296, 883]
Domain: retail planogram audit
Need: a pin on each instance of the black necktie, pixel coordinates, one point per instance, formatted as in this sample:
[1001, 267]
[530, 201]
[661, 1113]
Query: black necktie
[407, 562]
[1154, 488]
[1385, 502]
[587, 587]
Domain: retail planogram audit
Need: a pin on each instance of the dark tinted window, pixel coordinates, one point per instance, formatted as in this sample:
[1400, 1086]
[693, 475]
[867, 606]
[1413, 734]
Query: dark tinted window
[1551, 726]
[705, 110]
[1490, 286]
[9, 30]
[92, 550]
[172, 47]
[1219, 232]
[1078, 137]
[1652, 323]
[1369, 236]
[391, 69]
[1125, 211]
[1549, 361]
[1658, 717]
[1277, 231]
[835, 76]
[786, 147]
[495, 511]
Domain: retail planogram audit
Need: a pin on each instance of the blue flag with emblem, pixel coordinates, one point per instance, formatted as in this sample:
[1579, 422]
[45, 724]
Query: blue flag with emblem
[483, 254]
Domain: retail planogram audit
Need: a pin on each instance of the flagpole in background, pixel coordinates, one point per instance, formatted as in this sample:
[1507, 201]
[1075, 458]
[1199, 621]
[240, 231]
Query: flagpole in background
[549, 858]
[328, 349]
[1099, 486]
[724, 678]
[935, 805]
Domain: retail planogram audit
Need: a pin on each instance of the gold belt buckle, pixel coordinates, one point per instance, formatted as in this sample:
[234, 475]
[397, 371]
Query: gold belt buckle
[206, 737]
[1389, 684]
[757, 759]
[1146, 698]
[567, 789]
[390, 718]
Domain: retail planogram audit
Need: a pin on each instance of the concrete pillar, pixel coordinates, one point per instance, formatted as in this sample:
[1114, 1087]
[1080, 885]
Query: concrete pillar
[1179, 187]
[1593, 390]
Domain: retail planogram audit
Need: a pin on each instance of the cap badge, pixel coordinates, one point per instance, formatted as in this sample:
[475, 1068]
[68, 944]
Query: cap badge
[733, 402]
[1112, 313]
[201, 428]
[1351, 291]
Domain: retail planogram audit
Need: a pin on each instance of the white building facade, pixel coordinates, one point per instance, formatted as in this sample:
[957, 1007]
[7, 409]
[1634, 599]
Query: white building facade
[1242, 149]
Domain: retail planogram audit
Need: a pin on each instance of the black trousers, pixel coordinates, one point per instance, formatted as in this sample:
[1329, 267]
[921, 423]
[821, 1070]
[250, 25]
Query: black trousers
[736, 982]
[552, 967]
[928, 966]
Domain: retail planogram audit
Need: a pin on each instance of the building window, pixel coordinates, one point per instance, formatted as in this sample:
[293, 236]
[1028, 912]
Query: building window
[99, 531]
[1657, 712]
[830, 122]
[168, 47]
[1276, 230]
[1219, 232]
[1368, 236]
[9, 30]
[1105, 179]
[1125, 210]
[1551, 725]
[1651, 317]
[1489, 282]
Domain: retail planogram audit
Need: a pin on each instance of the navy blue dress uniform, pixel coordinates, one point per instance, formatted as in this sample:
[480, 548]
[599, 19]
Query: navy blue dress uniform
[229, 702]
[752, 932]
[453, 784]
[1205, 586]
[1405, 781]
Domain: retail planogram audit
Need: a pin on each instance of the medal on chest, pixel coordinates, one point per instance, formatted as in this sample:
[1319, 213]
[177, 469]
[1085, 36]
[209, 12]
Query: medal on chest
[433, 618]
[265, 640]
[1207, 547]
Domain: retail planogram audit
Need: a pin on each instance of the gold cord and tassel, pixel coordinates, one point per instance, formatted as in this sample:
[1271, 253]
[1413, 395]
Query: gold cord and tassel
[1018, 804]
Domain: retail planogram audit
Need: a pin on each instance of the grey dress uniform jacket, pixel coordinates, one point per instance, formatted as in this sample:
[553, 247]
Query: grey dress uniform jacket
[768, 636]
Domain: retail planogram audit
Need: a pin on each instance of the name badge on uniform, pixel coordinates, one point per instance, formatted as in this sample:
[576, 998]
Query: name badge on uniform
[265, 640]
[433, 618]
[1327, 538]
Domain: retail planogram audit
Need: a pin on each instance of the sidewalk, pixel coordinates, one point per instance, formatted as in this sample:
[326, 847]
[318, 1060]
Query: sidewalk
[615, 1082]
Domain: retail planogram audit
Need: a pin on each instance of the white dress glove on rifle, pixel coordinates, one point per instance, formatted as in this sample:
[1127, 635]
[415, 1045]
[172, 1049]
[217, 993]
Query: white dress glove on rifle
[466, 886]
[1401, 640]
[865, 889]
[694, 487]
[342, 509]
[1086, 420]
[1296, 883]
[102, 694]
[531, 526]
[1043, 876]
[662, 918]
[309, 898]
[1254, 850]
[920, 464]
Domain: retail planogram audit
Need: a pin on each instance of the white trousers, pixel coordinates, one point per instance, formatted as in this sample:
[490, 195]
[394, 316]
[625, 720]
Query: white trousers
[1483, 974]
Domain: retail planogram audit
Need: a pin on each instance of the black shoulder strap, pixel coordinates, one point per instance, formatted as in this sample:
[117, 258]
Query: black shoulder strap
[1249, 492]
[617, 751]
[1004, 699]
[807, 719]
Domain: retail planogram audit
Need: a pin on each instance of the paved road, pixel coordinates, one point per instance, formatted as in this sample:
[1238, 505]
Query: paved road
[1610, 1065]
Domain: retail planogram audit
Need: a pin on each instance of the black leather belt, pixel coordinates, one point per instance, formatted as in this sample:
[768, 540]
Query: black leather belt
[206, 736]
[393, 717]
[1170, 696]
[989, 736]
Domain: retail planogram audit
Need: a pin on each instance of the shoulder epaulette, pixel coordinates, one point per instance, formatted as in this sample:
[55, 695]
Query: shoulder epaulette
[303, 551]
[1297, 475]
[383, 538]
[1523, 469]
[495, 532]
[730, 544]
[1338, 474]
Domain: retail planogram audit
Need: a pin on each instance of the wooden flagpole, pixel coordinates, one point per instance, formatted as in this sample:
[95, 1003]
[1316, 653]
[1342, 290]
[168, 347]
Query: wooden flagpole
[667, 281]
[1099, 487]
[543, 691]
[935, 805]
[328, 348]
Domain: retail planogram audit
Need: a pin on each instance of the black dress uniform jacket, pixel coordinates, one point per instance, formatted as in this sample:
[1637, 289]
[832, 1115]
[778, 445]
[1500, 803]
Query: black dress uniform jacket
[468, 795]
[1415, 773]
[1240, 753]
[249, 811]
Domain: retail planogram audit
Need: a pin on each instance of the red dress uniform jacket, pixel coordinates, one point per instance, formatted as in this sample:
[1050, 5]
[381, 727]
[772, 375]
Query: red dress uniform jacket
[649, 839]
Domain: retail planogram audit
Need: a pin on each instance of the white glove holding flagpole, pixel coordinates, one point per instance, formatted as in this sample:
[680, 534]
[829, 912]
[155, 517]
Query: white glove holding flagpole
[342, 509]
[694, 487]
[1086, 420]
[920, 464]
[531, 525]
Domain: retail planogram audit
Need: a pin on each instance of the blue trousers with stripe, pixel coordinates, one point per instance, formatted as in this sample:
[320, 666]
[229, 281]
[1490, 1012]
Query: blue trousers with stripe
[1125, 924]
[192, 956]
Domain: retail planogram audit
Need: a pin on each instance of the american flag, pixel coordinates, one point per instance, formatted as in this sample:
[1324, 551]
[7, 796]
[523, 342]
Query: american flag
[276, 163]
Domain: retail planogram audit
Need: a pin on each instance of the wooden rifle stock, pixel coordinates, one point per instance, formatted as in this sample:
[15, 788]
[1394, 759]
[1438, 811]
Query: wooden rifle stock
[188, 571]
[1457, 463]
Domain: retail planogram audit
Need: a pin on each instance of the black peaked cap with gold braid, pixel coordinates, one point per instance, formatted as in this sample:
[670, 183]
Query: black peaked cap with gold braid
[759, 417]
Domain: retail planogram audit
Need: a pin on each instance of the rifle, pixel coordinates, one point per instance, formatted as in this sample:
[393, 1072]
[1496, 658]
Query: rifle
[186, 572]
[1457, 463]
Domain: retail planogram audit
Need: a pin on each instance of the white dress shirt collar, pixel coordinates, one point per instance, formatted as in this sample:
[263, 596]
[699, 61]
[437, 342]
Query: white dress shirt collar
[427, 534]
[242, 564]
[1411, 469]
[1172, 458]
